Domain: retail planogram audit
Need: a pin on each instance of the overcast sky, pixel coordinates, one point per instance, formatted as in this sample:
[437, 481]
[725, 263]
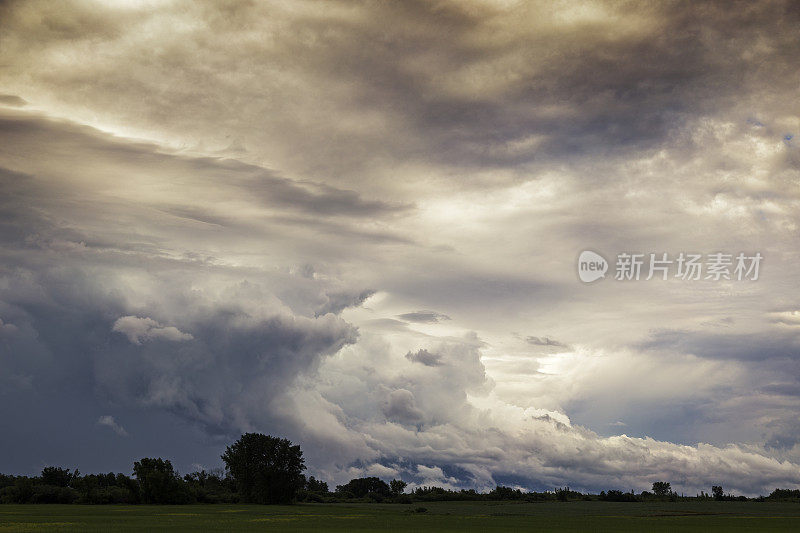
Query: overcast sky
[357, 224]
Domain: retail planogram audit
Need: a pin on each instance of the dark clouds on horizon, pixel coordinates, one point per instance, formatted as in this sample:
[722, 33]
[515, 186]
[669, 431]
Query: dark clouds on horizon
[351, 223]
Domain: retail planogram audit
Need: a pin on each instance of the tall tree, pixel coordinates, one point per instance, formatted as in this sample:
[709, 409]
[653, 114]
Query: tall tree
[397, 486]
[266, 469]
[661, 488]
[158, 481]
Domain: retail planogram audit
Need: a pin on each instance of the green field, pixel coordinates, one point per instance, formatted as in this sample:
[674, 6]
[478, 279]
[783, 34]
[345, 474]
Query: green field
[440, 516]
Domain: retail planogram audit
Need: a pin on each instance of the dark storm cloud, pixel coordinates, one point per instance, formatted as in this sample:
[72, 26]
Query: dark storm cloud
[782, 389]
[769, 390]
[442, 84]
[229, 373]
[450, 155]
[783, 433]
[76, 265]
[70, 325]
[598, 90]
[774, 346]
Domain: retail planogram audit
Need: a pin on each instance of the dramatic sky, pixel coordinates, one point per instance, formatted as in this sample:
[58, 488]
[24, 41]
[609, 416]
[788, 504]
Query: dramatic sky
[356, 225]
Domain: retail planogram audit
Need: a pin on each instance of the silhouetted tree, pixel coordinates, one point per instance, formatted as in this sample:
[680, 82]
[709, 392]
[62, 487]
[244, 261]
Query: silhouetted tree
[718, 493]
[618, 496]
[505, 493]
[562, 494]
[211, 487]
[266, 469]
[316, 486]
[158, 482]
[106, 488]
[358, 488]
[397, 486]
[785, 495]
[661, 488]
[58, 477]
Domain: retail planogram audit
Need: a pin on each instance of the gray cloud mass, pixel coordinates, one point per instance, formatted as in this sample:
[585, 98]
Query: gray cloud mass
[218, 217]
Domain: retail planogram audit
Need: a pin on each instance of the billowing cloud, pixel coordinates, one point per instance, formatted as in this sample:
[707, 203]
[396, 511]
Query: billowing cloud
[401, 406]
[435, 476]
[236, 367]
[139, 330]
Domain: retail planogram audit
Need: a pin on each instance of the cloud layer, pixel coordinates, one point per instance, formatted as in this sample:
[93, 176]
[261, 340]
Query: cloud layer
[356, 225]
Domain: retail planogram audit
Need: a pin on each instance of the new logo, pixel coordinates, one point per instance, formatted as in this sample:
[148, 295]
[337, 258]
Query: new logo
[591, 266]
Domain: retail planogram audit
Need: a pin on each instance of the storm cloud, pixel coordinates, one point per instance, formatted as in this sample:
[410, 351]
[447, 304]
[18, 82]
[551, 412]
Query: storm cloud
[353, 223]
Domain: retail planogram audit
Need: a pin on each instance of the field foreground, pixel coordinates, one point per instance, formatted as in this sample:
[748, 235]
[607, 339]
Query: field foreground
[437, 516]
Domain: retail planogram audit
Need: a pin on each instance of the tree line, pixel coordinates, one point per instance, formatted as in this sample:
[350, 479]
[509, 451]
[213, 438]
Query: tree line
[269, 470]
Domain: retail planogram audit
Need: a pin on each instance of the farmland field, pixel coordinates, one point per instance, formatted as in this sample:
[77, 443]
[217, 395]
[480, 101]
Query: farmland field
[438, 516]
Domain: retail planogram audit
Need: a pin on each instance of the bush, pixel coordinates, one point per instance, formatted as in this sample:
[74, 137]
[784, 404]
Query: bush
[785, 495]
[211, 487]
[9, 494]
[53, 494]
[358, 488]
[618, 496]
[106, 495]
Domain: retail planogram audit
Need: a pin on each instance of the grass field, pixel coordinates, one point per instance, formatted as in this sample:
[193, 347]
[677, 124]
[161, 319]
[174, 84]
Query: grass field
[440, 516]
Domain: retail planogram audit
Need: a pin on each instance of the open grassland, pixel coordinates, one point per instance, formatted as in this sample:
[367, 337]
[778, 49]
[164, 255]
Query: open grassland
[438, 517]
